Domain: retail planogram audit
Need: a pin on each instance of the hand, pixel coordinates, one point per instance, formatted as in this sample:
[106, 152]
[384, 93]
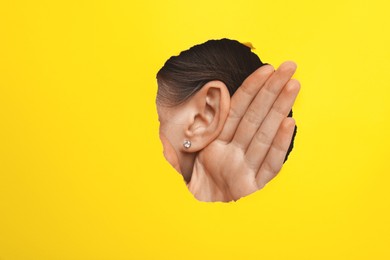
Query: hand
[252, 146]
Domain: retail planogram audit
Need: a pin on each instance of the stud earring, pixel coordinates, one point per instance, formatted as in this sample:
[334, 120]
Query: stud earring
[187, 144]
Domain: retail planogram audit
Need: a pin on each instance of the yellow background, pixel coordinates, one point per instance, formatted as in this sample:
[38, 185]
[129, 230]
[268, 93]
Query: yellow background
[82, 175]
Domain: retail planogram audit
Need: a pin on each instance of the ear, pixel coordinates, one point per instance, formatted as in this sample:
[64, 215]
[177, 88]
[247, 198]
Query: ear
[208, 110]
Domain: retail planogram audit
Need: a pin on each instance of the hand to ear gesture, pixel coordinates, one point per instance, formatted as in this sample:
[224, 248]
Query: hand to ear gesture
[253, 143]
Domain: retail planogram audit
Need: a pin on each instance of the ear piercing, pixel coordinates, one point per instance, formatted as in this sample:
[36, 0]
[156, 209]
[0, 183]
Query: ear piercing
[187, 144]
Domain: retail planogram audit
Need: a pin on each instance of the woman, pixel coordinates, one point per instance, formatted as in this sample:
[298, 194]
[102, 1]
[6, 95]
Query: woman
[226, 146]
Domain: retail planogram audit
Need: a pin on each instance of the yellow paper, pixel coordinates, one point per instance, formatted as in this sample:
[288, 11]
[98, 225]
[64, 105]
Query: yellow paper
[82, 175]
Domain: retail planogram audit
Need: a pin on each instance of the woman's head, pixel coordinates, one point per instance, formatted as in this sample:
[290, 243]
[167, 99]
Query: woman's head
[225, 60]
[193, 98]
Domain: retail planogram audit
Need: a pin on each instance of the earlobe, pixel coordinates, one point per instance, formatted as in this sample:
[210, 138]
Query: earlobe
[210, 108]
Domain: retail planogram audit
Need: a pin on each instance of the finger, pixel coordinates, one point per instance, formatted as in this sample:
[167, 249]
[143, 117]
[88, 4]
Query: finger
[261, 142]
[262, 104]
[275, 158]
[242, 98]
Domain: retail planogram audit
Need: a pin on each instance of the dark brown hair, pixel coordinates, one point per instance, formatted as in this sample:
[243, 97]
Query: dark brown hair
[226, 60]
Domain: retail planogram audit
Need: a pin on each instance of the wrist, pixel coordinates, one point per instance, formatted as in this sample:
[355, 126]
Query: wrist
[206, 188]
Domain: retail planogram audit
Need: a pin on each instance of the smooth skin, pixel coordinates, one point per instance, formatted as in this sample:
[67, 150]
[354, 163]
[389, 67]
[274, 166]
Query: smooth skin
[245, 142]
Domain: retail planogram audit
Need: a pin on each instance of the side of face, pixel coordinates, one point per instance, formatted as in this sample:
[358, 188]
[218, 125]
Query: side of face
[171, 123]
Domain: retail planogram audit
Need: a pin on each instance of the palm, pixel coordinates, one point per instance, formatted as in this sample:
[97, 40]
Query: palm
[219, 180]
[252, 146]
